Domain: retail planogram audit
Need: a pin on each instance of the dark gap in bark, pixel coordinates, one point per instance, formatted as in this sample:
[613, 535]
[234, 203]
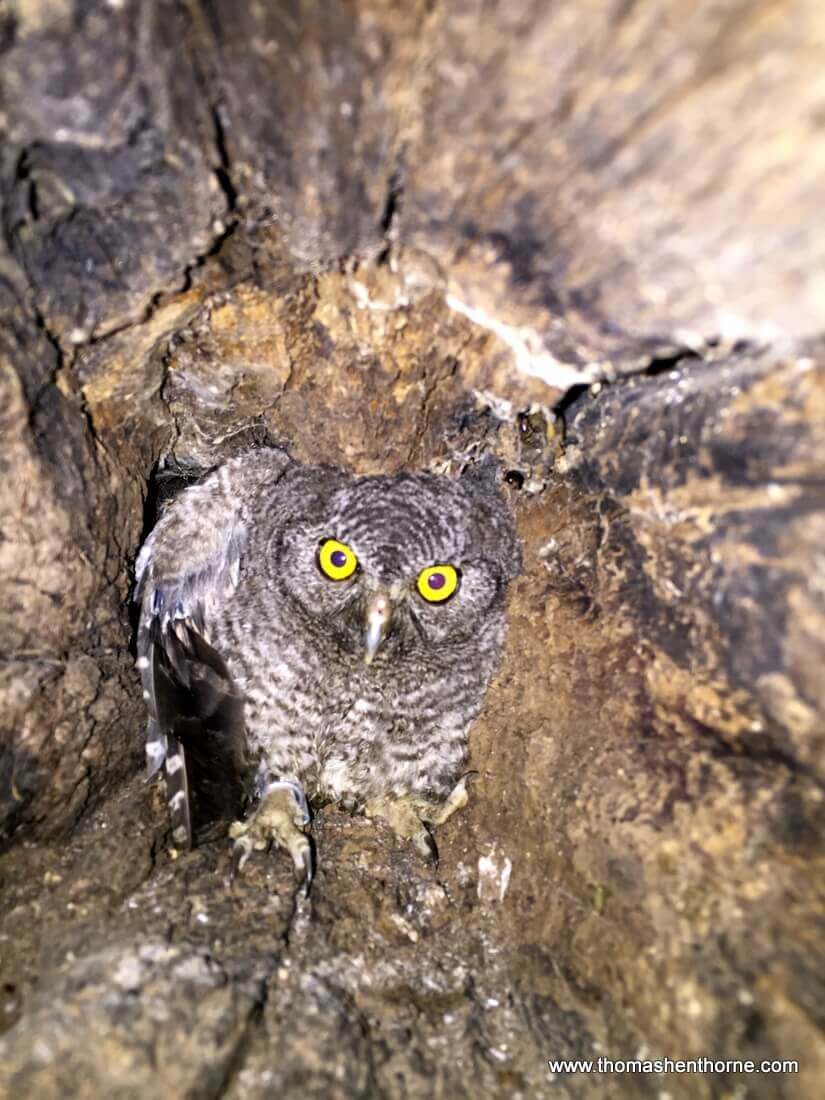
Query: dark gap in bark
[222, 171]
[567, 406]
[663, 364]
[392, 208]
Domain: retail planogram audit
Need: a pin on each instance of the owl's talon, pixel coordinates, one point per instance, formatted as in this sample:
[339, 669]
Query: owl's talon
[425, 843]
[457, 799]
[412, 816]
[281, 817]
[297, 794]
[241, 851]
[305, 869]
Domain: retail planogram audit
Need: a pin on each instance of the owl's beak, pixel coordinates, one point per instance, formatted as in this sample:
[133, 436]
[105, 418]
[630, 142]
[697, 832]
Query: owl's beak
[379, 613]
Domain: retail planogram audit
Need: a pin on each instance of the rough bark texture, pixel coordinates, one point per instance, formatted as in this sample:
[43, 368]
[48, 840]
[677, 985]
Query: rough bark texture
[392, 236]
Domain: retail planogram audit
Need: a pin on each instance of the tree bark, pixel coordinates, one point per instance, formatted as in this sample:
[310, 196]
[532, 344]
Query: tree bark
[583, 238]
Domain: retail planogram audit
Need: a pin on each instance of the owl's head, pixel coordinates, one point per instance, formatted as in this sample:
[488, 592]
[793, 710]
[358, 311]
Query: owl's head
[387, 567]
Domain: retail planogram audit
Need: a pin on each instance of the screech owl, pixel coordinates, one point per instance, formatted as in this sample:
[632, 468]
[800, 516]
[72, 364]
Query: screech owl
[308, 634]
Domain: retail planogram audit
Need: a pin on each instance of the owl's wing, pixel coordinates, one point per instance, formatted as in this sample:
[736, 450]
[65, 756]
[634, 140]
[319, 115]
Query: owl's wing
[189, 565]
[196, 722]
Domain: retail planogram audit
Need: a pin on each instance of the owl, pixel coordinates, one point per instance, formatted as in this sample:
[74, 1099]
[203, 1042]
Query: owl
[308, 636]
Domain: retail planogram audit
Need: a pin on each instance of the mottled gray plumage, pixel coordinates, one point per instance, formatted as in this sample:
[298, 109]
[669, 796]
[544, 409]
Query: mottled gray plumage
[253, 660]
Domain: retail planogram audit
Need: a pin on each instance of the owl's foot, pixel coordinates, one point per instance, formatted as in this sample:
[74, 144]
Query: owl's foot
[411, 816]
[282, 817]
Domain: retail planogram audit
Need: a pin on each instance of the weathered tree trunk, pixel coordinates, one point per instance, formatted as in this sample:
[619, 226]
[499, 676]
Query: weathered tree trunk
[584, 237]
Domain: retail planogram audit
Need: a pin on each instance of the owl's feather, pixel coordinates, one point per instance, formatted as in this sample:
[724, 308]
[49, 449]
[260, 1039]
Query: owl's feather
[200, 714]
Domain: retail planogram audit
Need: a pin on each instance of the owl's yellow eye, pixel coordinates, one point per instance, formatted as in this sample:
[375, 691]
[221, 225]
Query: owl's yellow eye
[437, 583]
[335, 560]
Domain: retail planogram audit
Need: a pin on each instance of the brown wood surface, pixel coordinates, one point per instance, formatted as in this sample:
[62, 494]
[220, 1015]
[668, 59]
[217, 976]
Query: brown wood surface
[583, 237]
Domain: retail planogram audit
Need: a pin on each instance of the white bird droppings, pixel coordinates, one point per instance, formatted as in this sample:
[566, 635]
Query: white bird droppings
[493, 876]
